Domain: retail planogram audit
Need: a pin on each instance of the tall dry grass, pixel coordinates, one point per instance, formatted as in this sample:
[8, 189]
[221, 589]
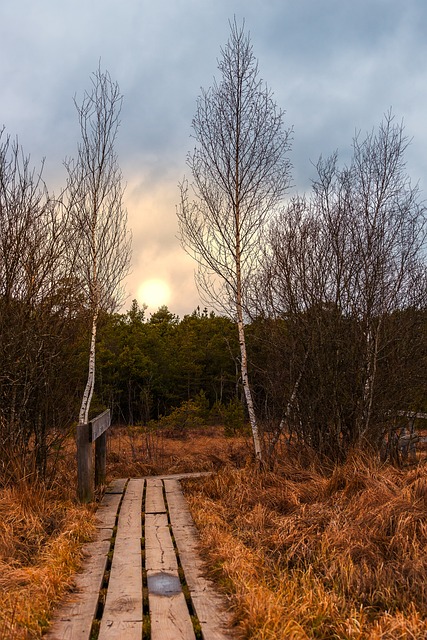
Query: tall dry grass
[136, 452]
[42, 531]
[43, 528]
[307, 554]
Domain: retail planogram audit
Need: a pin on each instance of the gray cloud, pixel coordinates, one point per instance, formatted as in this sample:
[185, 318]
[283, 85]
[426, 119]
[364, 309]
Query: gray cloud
[334, 66]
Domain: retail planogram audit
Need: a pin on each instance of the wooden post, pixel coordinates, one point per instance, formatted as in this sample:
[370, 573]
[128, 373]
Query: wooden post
[95, 431]
[84, 463]
[100, 459]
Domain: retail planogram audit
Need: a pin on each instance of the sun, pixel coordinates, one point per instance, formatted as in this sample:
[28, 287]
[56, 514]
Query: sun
[154, 293]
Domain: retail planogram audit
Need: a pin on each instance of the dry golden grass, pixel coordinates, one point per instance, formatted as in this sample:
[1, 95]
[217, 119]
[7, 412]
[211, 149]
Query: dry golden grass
[41, 534]
[313, 555]
[134, 452]
[42, 530]
[306, 553]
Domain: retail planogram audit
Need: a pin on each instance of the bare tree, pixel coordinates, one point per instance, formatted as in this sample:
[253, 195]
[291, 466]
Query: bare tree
[348, 262]
[33, 334]
[98, 234]
[240, 173]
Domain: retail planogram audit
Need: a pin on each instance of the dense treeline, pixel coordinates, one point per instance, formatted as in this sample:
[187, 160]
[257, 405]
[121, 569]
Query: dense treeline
[307, 371]
[147, 367]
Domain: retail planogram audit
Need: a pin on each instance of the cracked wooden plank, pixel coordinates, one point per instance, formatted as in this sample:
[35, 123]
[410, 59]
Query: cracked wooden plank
[159, 551]
[122, 617]
[169, 616]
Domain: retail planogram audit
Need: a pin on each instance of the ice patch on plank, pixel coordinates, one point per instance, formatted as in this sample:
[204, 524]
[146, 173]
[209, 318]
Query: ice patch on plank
[164, 584]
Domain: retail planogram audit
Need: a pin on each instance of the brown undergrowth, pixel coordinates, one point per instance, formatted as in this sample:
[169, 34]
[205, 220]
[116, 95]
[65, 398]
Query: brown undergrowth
[41, 534]
[43, 528]
[136, 452]
[309, 554]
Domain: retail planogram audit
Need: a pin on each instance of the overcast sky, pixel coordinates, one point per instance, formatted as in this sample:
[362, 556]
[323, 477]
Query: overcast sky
[335, 67]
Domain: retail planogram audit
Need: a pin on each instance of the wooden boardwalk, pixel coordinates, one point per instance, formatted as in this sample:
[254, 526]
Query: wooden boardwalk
[138, 580]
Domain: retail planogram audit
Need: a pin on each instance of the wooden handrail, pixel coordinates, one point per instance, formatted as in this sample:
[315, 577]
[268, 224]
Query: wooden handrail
[412, 414]
[95, 431]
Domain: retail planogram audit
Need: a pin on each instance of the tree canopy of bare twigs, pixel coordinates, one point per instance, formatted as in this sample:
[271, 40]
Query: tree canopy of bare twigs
[343, 261]
[240, 173]
[99, 237]
[33, 335]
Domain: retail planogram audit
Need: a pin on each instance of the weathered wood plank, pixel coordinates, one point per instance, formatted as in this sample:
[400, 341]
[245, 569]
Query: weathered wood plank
[117, 486]
[177, 504]
[159, 551]
[100, 424]
[210, 608]
[183, 476]
[73, 620]
[100, 459]
[131, 511]
[107, 511]
[122, 617]
[169, 615]
[154, 502]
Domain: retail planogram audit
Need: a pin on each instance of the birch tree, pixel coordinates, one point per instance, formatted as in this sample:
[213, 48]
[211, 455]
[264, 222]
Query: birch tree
[99, 238]
[240, 173]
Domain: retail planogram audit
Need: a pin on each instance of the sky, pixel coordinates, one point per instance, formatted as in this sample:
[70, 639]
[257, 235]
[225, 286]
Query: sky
[335, 67]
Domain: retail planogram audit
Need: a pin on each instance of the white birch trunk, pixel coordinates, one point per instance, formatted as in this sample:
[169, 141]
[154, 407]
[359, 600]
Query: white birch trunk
[247, 390]
[372, 344]
[90, 384]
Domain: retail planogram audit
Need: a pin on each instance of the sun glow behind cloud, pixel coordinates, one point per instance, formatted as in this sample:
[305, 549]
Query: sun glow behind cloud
[154, 293]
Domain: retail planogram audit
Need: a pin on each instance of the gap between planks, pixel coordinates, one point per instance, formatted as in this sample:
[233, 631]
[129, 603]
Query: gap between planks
[123, 611]
[73, 619]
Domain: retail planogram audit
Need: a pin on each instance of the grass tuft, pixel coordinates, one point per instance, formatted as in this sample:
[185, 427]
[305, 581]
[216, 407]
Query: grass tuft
[305, 554]
[41, 534]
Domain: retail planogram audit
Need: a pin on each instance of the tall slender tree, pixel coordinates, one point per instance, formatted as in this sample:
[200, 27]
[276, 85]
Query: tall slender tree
[240, 173]
[99, 237]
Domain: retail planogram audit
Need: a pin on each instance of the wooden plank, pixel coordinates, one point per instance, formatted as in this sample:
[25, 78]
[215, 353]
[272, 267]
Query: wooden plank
[100, 459]
[107, 511]
[73, 620]
[100, 424]
[184, 476]
[117, 486]
[122, 617]
[169, 615]
[159, 551]
[177, 504]
[131, 512]
[211, 609]
[154, 502]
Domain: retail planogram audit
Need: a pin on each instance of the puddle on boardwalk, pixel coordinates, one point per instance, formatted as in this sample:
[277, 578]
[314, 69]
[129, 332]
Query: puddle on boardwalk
[163, 584]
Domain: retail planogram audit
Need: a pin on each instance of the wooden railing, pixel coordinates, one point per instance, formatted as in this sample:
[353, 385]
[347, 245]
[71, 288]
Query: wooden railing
[95, 431]
[408, 437]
